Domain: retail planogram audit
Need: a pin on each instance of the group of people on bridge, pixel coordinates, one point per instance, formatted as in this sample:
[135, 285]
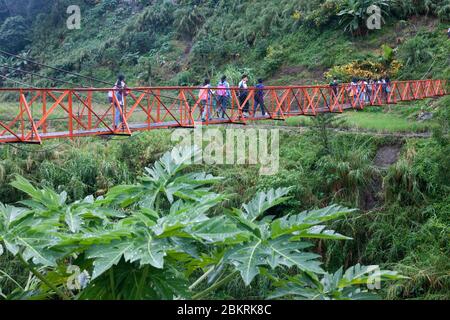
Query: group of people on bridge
[363, 90]
[218, 101]
[210, 101]
[214, 101]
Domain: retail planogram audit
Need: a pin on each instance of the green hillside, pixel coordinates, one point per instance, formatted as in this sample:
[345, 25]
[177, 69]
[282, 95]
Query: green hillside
[290, 42]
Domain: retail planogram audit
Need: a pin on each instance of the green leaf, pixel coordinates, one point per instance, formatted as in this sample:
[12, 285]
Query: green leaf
[319, 232]
[263, 202]
[73, 220]
[147, 250]
[288, 254]
[352, 285]
[107, 255]
[308, 219]
[46, 197]
[184, 215]
[37, 250]
[218, 230]
[247, 258]
[9, 215]
[366, 275]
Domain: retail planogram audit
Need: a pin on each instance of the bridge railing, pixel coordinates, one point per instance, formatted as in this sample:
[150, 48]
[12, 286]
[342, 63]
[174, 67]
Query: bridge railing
[33, 114]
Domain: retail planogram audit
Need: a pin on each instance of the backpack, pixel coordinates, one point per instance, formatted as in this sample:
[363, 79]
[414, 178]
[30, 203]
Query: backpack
[222, 91]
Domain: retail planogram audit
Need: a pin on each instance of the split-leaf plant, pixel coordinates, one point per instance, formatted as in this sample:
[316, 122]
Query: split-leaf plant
[161, 239]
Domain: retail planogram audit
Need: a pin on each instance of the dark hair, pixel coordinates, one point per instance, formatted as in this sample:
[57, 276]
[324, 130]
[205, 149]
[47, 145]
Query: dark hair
[244, 76]
[120, 77]
[223, 78]
[207, 81]
[260, 80]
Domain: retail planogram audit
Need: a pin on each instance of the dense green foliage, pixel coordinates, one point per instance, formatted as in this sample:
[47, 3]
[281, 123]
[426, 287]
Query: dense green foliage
[161, 42]
[143, 241]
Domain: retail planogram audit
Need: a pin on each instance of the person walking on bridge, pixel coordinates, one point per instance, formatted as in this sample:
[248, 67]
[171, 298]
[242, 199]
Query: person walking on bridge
[119, 91]
[259, 98]
[334, 85]
[353, 91]
[205, 96]
[243, 94]
[223, 96]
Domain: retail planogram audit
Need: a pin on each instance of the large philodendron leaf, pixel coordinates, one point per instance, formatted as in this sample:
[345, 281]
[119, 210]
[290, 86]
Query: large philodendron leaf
[218, 230]
[169, 165]
[73, 219]
[189, 186]
[40, 199]
[308, 224]
[148, 250]
[9, 215]
[185, 214]
[289, 254]
[37, 249]
[367, 275]
[262, 202]
[357, 283]
[165, 178]
[278, 242]
[108, 255]
[248, 258]
[25, 232]
[124, 195]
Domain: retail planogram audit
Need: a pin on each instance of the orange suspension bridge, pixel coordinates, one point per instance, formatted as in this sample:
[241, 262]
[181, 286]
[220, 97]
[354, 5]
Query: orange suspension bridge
[36, 114]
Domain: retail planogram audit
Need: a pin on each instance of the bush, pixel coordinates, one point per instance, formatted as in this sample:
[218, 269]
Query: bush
[14, 34]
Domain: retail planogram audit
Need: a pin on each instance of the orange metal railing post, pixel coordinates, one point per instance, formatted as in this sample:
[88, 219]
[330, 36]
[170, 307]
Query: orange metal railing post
[44, 110]
[70, 106]
[89, 102]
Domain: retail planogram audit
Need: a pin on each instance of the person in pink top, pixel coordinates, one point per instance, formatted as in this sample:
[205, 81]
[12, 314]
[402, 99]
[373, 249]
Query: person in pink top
[205, 96]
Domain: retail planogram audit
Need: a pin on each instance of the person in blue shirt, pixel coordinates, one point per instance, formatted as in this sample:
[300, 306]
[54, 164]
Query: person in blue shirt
[259, 98]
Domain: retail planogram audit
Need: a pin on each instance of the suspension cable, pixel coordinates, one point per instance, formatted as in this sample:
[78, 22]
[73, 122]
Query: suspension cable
[96, 80]
[38, 75]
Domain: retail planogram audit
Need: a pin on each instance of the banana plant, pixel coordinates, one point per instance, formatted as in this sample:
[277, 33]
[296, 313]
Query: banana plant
[354, 13]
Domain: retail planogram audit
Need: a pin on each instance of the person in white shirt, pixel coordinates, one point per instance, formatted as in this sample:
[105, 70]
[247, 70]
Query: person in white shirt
[243, 94]
[119, 90]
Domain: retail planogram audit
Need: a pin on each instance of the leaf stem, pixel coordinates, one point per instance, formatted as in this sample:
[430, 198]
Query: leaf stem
[216, 285]
[38, 275]
[142, 282]
[112, 284]
[199, 280]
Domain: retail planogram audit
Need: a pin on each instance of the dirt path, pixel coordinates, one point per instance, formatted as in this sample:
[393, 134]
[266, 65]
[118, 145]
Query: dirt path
[387, 156]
